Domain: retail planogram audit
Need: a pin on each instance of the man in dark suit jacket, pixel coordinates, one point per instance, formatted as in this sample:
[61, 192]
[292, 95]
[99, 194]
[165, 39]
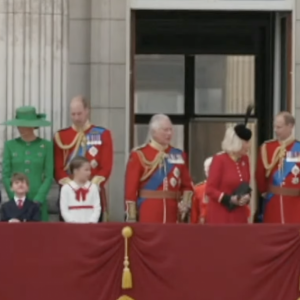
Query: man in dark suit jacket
[20, 208]
[28, 211]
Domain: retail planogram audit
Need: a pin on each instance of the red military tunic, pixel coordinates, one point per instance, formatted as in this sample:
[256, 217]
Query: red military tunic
[277, 176]
[154, 181]
[225, 176]
[95, 143]
[200, 201]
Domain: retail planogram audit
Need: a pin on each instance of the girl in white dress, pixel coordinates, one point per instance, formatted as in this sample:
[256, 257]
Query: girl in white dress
[79, 199]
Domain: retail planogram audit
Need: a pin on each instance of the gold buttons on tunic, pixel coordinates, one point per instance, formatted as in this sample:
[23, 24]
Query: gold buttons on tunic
[239, 172]
[27, 152]
[27, 161]
[26, 170]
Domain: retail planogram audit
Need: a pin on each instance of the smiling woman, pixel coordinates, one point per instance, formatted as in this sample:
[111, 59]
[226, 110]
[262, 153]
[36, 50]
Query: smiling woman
[30, 155]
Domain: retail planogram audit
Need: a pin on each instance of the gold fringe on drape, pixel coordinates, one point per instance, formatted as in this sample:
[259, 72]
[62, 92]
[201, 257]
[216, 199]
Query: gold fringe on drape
[127, 276]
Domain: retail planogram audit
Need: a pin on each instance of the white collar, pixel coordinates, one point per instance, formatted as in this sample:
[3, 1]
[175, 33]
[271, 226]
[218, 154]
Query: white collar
[75, 186]
[17, 199]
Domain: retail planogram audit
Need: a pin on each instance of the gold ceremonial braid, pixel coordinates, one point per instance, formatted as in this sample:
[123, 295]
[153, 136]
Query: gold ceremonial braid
[277, 157]
[67, 147]
[79, 139]
[150, 166]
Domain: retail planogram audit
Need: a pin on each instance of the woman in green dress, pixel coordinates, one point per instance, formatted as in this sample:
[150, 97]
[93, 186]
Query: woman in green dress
[30, 155]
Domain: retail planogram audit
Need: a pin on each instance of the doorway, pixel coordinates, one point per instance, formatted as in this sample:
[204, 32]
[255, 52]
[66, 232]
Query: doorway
[202, 69]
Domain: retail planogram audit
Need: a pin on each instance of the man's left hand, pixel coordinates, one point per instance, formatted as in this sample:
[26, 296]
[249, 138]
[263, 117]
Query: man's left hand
[183, 208]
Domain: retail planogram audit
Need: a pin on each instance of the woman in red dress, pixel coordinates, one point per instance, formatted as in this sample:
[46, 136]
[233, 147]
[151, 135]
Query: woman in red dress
[229, 174]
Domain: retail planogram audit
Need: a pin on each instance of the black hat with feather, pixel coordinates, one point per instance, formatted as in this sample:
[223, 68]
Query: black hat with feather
[241, 130]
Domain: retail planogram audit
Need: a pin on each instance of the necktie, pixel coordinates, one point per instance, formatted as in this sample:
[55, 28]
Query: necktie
[81, 194]
[20, 203]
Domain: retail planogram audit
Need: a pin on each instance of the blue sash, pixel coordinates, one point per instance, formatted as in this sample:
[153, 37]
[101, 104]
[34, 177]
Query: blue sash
[158, 176]
[82, 150]
[280, 175]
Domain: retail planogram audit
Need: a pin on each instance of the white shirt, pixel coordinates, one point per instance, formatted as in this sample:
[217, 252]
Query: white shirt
[80, 210]
[17, 200]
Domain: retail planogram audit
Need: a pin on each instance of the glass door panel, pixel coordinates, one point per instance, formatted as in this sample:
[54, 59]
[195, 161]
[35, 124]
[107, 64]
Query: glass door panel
[224, 84]
[159, 84]
[206, 136]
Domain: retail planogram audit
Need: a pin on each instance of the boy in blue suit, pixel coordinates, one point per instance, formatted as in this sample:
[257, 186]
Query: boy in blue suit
[20, 209]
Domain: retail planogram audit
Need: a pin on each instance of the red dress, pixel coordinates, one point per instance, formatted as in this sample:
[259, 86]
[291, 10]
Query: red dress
[199, 208]
[95, 144]
[152, 170]
[278, 176]
[225, 175]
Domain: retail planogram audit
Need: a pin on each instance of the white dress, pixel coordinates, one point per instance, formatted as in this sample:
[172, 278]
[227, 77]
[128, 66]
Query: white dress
[80, 204]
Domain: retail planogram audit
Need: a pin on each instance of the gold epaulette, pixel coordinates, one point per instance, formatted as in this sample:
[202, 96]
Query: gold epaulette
[277, 157]
[138, 147]
[77, 141]
[270, 141]
[150, 165]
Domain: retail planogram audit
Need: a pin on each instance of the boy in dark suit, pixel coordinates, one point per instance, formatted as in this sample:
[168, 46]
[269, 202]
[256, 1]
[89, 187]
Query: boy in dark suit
[20, 209]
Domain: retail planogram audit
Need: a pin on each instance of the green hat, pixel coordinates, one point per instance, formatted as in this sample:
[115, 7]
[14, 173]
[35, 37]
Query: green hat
[26, 116]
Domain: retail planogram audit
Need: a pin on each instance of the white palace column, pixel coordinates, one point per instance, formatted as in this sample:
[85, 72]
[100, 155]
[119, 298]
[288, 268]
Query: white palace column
[240, 83]
[33, 60]
[33, 63]
[240, 92]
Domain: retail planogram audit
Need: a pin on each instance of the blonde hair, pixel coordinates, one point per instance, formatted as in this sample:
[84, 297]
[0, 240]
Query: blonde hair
[231, 142]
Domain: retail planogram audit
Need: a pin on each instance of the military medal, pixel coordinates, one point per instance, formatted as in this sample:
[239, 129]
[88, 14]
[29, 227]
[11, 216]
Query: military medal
[93, 151]
[295, 172]
[93, 163]
[171, 159]
[293, 156]
[179, 159]
[176, 172]
[173, 182]
[99, 142]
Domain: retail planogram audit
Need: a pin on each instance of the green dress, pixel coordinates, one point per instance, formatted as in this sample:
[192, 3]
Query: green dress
[34, 159]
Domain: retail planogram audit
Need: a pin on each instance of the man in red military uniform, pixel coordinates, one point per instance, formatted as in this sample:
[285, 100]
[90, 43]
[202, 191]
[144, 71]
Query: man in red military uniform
[200, 200]
[277, 173]
[157, 177]
[84, 139]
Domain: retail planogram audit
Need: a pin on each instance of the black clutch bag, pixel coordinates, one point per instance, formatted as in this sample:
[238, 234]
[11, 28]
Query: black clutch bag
[242, 190]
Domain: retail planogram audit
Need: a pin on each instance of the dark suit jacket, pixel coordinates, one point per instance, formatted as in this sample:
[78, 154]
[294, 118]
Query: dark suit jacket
[30, 212]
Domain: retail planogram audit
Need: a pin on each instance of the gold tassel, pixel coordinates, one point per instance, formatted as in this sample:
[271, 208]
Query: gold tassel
[124, 297]
[127, 276]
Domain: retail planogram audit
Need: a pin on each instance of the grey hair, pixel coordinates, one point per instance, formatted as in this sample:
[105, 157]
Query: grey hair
[231, 142]
[155, 123]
